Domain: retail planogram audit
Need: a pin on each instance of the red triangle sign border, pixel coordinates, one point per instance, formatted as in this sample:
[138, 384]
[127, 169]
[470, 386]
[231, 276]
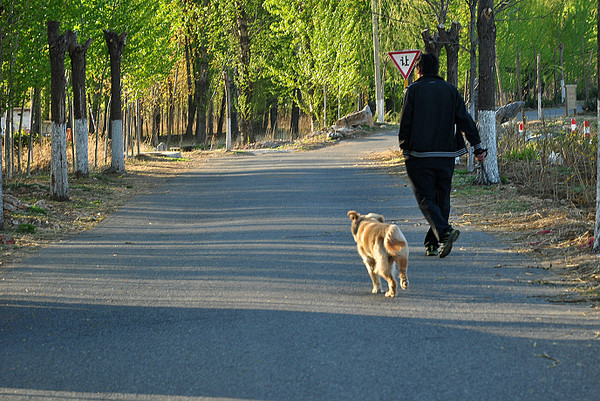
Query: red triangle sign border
[408, 63]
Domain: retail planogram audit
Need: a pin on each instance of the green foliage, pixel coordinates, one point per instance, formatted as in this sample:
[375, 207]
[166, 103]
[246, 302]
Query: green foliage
[321, 47]
[539, 27]
[24, 137]
[527, 153]
[26, 228]
[36, 210]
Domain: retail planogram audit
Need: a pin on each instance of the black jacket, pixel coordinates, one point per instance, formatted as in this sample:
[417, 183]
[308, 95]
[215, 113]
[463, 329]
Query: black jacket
[433, 117]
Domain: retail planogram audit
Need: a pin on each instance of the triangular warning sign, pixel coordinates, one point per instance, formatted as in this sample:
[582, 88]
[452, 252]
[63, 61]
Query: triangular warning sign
[405, 60]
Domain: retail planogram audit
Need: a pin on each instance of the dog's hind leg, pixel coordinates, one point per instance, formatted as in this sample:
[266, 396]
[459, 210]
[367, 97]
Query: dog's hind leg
[402, 264]
[370, 265]
[389, 277]
[385, 269]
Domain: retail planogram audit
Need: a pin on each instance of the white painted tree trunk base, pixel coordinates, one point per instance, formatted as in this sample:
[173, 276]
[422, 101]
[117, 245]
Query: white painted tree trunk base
[487, 129]
[82, 167]
[59, 179]
[117, 150]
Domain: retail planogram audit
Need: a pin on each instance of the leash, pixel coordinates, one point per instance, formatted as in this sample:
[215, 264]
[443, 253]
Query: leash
[486, 176]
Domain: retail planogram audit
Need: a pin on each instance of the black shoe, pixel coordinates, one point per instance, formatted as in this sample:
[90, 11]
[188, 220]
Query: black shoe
[447, 242]
[431, 250]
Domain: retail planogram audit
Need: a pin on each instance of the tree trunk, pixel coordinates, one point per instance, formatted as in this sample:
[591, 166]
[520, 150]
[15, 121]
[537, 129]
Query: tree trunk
[138, 126]
[273, 112]
[201, 124]
[451, 40]
[539, 85]
[295, 121]
[210, 117]
[486, 29]
[36, 123]
[555, 83]
[519, 90]
[59, 185]
[228, 125]
[500, 90]
[155, 123]
[171, 119]
[233, 96]
[596, 246]
[244, 83]
[379, 96]
[585, 81]
[221, 117]
[472, 60]
[202, 89]
[432, 43]
[191, 103]
[20, 131]
[2, 32]
[561, 49]
[78, 53]
[116, 44]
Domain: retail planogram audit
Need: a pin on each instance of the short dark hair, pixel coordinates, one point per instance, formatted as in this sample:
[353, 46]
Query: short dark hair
[428, 64]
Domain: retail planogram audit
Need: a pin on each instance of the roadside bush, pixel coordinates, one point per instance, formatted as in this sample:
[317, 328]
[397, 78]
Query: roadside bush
[550, 161]
[26, 228]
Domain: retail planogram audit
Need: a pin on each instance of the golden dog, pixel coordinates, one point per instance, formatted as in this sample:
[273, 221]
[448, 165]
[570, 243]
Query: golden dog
[380, 245]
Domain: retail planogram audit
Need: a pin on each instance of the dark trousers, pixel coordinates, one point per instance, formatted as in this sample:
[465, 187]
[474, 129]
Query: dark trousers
[431, 180]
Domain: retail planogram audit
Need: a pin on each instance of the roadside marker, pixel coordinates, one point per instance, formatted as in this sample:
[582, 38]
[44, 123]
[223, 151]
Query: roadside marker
[573, 125]
[586, 128]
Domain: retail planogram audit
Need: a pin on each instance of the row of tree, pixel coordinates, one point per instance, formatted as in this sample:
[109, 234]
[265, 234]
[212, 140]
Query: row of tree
[286, 54]
[282, 57]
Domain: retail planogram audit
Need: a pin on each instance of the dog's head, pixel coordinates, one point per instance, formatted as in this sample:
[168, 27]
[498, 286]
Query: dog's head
[357, 218]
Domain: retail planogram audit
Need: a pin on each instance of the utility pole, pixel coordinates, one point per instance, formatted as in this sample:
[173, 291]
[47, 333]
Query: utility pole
[596, 246]
[378, 88]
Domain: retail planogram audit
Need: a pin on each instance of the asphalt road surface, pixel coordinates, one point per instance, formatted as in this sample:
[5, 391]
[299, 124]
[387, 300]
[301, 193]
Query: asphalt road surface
[241, 281]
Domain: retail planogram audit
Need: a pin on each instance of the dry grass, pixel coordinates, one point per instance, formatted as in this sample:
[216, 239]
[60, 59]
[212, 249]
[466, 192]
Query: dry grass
[554, 163]
[39, 220]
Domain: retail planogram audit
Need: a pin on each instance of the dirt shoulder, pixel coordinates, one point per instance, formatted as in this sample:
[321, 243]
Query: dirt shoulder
[557, 236]
[33, 220]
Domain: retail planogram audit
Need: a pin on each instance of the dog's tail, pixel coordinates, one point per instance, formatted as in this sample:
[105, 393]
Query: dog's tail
[394, 240]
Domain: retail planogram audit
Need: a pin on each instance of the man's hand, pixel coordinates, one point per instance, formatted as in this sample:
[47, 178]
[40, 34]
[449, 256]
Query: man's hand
[480, 156]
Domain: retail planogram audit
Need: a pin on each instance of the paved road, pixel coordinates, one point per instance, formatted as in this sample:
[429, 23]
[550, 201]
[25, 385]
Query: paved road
[241, 281]
[549, 113]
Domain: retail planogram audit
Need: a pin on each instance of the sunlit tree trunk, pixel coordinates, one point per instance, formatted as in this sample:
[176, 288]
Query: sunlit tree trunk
[486, 29]
[77, 53]
[116, 44]
[59, 185]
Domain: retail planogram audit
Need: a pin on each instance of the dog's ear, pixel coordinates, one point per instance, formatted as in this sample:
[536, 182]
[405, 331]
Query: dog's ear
[353, 215]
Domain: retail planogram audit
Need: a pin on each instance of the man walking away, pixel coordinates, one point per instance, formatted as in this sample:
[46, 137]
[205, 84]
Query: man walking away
[433, 118]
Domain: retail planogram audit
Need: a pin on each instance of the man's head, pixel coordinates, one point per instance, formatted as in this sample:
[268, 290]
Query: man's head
[428, 64]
